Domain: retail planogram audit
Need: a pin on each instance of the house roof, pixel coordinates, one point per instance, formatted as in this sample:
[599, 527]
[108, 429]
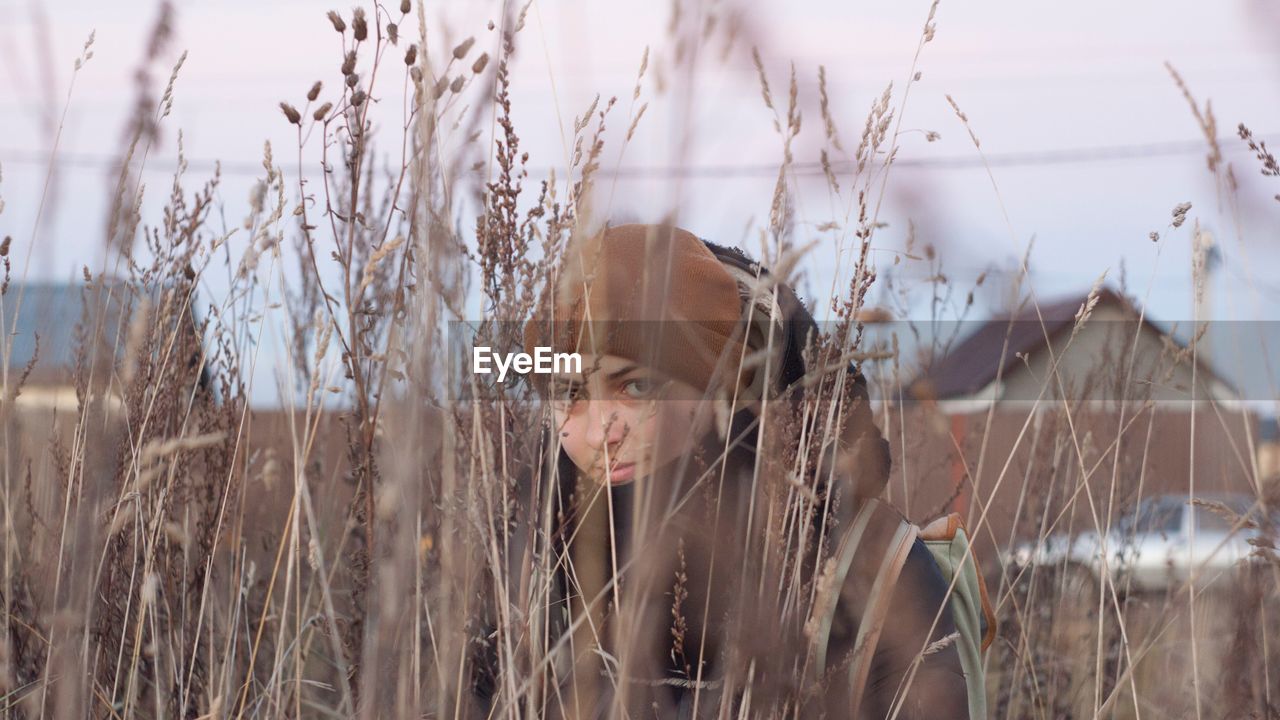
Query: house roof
[977, 360]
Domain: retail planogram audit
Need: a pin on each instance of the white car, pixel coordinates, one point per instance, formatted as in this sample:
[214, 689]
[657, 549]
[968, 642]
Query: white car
[1160, 545]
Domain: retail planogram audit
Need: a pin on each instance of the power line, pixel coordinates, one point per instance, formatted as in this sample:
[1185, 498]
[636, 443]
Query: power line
[1011, 159]
[1081, 155]
[1042, 158]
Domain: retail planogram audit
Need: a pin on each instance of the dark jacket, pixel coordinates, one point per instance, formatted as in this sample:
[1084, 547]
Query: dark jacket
[759, 634]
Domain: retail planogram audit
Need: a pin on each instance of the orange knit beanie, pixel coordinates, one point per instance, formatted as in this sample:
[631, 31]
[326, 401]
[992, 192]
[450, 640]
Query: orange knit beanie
[653, 294]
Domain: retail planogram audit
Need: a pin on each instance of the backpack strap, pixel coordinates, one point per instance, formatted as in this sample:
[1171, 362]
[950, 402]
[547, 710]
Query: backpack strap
[946, 535]
[877, 611]
[945, 529]
[879, 598]
[824, 609]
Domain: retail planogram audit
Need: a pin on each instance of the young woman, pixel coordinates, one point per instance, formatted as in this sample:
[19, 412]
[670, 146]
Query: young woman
[704, 469]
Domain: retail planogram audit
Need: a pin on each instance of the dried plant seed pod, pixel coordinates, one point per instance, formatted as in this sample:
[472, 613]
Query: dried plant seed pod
[441, 85]
[322, 111]
[415, 72]
[291, 113]
[352, 79]
[405, 7]
[338, 23]
[359, 26]
[393, 33]
[456, 85]
[411, 55]
[357, 99]
[4, 246]
[349, 63]
[314, 92]
[463, 48]
[478, 66]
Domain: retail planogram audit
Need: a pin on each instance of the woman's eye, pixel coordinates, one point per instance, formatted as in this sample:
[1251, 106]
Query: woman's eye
[637, 388]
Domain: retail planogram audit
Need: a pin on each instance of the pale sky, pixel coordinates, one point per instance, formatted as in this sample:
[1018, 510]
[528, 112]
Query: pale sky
[1045, 88]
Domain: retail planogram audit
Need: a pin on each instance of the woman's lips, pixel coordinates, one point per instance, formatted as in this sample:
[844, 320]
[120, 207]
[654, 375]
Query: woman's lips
[621, 473]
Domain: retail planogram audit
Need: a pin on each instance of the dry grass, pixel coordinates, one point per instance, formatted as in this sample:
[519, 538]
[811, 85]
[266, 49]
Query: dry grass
[395, 542]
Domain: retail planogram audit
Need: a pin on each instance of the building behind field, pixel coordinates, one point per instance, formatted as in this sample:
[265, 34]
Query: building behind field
[1039, 422]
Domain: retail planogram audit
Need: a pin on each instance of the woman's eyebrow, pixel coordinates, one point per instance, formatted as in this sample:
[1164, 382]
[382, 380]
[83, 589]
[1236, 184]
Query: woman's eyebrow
[621, 373]
[612, 377]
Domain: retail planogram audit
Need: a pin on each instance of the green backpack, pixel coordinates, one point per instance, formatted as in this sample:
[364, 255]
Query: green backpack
[971, 609]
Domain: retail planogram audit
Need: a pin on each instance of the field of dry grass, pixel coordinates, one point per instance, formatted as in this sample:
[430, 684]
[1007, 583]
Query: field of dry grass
[383, 545]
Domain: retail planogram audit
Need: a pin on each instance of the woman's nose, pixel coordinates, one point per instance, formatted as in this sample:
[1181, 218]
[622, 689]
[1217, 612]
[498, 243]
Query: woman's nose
[604, 425]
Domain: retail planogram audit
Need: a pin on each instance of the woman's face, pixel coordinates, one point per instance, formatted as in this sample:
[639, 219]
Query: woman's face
[620, 421]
